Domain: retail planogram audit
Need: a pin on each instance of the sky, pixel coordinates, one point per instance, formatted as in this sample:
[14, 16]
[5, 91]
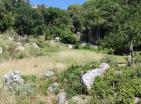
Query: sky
[63, 4]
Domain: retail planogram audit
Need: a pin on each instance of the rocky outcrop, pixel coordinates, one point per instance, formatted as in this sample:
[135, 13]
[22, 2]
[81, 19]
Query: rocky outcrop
[62, 98]
[1, 50]
[70, 46]
[89, 77]
[54, 88]
[20, 48]
[50, 73]
[13, 79]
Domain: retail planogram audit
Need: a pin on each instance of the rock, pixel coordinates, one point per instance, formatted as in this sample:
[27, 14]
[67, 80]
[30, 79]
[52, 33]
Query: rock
[35, 45]
[10, 39]
[1, 50]
[136, 100]
[13, 79]
[50, 73]
[89, 77]
[57, 38]
[54, 88]
[27, 45]
[118, 73]
[79, 33]
[80, 99]
[19, 43]
[70, 46]
[83, 44]
[20, 48]
[104, 66]
[62, 98]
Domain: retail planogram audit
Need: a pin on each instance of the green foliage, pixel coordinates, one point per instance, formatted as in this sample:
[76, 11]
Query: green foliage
[29, 22]
[117, 88]
[71, 79]
[110, 60]
[118, 85]
[138, 58]
[67, 37]
[109, 23]
[6, 19]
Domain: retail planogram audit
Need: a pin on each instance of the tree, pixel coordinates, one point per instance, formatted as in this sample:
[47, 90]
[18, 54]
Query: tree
[55, 21]
[127, 35]
[6, 18]
[28, 21]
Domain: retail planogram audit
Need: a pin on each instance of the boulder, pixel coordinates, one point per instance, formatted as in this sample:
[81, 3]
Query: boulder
[10, 39]
[1, 50]
[19, 43]
[70, 46]
[83, 44]
[49, 73]
[13, 79]
[136, 100]
[27, 45]
[80, 99]
[57, 38]
[20, 48]
[35, 45]
[54, 88]
[89, 77]
[62, 98]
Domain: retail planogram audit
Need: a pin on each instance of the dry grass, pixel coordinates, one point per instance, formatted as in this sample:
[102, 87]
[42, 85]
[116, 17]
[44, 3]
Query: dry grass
[59, 61]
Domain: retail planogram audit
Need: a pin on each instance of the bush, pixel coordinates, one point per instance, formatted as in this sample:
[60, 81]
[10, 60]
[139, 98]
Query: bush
[138, 58]
[117, 89]
[71, 79]
[67, 37]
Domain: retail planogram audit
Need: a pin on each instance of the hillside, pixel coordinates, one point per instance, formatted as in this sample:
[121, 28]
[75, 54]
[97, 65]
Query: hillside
[87, 54]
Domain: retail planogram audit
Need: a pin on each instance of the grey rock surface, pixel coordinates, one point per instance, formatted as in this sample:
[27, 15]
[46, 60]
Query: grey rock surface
[89, 77]
[62, 98]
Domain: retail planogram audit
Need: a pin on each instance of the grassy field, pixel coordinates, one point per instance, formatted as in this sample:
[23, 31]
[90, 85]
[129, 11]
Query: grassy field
[56, 60]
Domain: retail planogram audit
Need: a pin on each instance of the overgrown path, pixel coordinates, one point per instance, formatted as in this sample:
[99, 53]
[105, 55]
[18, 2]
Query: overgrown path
[56, 60]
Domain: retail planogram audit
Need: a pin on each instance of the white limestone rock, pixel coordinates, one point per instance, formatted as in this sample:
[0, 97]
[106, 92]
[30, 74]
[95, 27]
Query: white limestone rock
[35, 45]
[49, 73]
[70, 46]
[13, 79]
[20, 48]
[136, 100]
[54, 88]
[57, 38]
[89, 77]
[10, 39]
[1, 50]
[27, 45]
[62, 98]
[83, 44]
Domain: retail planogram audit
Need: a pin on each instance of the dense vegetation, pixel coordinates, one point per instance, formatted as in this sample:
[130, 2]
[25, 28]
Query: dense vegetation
[119, 85]
[110, 23]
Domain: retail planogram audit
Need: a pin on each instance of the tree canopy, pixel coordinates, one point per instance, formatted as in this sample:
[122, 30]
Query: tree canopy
[109, 23]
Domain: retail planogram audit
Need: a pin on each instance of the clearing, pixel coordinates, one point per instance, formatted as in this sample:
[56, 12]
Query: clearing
[56, 60]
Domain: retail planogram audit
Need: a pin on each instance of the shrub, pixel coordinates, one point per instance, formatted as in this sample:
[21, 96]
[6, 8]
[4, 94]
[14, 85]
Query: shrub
[71, 79]
[138, 58]
[117, 89]
[77, 45]
[67, 37]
